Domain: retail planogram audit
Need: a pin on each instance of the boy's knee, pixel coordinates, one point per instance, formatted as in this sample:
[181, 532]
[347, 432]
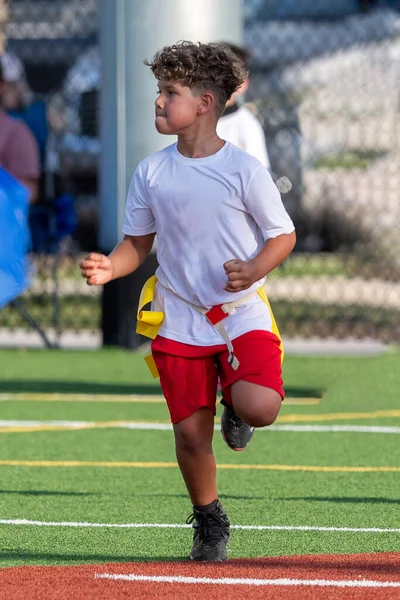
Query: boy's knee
[261, 410]
[261, 418]
[189, 439]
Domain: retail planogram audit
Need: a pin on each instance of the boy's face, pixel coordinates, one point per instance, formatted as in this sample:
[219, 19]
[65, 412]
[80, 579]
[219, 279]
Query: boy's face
[176, 107]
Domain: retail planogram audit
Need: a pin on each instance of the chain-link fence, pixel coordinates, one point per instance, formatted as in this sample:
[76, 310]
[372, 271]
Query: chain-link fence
[325, 83]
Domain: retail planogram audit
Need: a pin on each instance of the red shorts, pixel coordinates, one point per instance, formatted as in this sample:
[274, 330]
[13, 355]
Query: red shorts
[189, 374]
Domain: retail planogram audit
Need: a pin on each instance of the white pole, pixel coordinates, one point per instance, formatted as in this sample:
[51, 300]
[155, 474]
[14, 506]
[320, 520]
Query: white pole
[132, 30]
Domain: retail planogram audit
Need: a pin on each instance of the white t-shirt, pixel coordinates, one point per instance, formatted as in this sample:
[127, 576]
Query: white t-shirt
[205, 212]
[243, 129]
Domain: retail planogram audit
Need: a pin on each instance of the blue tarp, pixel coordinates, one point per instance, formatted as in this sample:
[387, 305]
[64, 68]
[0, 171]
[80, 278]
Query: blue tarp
[14, 238]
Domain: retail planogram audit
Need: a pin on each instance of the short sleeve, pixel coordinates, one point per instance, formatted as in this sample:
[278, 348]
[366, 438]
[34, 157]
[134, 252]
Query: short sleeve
[264, 203]
[254, 140]
[23, 153]
[139, 218]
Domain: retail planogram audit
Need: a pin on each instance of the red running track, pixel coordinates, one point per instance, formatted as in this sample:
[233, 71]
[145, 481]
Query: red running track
[82, 582]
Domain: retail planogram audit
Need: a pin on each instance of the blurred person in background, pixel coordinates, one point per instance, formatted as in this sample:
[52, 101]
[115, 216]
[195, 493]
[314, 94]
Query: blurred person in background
[238, 124]
[19, 151]
[53, 217]
[18, 100]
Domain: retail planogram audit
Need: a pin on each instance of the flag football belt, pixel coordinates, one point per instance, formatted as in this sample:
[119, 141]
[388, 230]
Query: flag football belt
[149, 322]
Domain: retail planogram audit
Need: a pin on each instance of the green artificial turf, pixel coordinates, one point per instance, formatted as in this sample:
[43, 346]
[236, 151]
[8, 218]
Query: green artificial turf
[157, 495]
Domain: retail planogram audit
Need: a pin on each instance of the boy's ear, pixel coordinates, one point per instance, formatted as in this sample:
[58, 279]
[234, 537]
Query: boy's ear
[243, 88]
[239, 92]
[206, 103]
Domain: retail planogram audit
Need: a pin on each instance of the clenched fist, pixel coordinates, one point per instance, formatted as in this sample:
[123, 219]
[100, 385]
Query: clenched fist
[241, 275]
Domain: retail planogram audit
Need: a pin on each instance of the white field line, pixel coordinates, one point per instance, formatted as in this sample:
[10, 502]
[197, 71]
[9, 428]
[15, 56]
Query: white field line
[184, 526]
[363, 583]
[335, 428]
[154, 426]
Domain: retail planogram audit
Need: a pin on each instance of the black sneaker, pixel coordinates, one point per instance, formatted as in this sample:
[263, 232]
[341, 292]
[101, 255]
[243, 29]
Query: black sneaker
[235, 432]
[211, 532]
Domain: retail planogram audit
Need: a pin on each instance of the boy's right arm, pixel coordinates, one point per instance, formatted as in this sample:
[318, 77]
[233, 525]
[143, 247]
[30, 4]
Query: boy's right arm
[126, 257]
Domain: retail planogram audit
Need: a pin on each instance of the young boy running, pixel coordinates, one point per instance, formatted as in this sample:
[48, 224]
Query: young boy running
[221, 228]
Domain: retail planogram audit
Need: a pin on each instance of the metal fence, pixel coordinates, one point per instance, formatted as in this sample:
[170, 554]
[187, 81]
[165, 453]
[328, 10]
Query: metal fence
[325, 83]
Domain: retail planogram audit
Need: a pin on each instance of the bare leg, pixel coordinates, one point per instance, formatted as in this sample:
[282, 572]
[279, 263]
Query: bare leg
[256, 405]
[193, 446]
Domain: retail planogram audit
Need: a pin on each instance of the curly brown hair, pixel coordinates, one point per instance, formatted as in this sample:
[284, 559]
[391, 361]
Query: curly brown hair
[241, 52]
[202, 67]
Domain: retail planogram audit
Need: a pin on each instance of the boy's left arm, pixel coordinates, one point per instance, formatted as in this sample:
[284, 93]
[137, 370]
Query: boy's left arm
[264, 203]
[241, 274]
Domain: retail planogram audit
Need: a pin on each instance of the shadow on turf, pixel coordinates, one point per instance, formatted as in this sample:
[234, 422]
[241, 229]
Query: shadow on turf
[81, 387]
[350, 500]
[75, 387]
[36, 558]
[221, 496]
[47, 493]
[55, 493]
